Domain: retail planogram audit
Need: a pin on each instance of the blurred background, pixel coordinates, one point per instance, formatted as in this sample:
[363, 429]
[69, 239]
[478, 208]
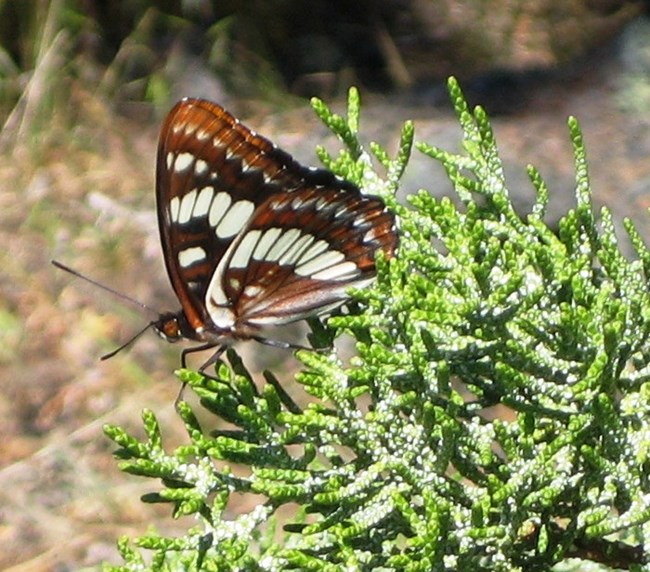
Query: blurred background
[84, 86]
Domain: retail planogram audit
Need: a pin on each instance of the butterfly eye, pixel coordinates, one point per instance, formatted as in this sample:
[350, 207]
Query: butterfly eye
[250, 237]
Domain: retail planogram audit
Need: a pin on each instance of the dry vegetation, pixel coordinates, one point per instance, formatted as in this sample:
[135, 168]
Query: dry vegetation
[81, 194]
[76, 184]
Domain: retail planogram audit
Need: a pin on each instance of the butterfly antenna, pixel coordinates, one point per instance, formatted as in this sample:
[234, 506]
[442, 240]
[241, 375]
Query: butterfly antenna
[127, 343]
[107, 289]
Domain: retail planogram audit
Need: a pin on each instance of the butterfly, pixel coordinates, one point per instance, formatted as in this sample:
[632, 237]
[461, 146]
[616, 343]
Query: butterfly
[250, 237]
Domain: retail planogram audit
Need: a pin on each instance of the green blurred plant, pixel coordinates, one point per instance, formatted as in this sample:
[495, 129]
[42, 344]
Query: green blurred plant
[401, 461]
[33, 81]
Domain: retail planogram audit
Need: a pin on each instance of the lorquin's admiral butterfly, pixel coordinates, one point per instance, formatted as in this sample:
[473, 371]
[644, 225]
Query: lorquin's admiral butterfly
[250, 237]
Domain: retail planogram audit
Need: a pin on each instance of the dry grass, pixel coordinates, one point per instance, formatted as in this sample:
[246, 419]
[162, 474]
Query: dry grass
[82, 195]
[79, 190]
[76, 185]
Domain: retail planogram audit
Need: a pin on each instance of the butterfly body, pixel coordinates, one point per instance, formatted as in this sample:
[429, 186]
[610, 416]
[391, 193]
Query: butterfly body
[250, 237]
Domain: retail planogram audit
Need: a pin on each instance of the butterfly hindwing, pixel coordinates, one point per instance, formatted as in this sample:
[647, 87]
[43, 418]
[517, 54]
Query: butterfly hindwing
[300, 252]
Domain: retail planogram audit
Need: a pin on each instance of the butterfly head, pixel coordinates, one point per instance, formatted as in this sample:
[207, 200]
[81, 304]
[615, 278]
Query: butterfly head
[172, 326]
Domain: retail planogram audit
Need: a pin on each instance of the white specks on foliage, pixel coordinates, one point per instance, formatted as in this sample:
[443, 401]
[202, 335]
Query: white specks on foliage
[201, 475]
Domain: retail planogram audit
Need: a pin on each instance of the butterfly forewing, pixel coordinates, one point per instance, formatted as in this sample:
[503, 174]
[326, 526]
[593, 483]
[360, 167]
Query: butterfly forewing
[212, 173]
[250, 237]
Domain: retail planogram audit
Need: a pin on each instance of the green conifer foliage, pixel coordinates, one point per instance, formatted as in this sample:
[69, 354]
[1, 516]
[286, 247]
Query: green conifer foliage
[401, 460]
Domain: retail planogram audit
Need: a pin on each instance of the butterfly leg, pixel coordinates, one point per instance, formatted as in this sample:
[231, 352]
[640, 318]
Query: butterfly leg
[213, 358]
[200, 348]
[285, 345]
